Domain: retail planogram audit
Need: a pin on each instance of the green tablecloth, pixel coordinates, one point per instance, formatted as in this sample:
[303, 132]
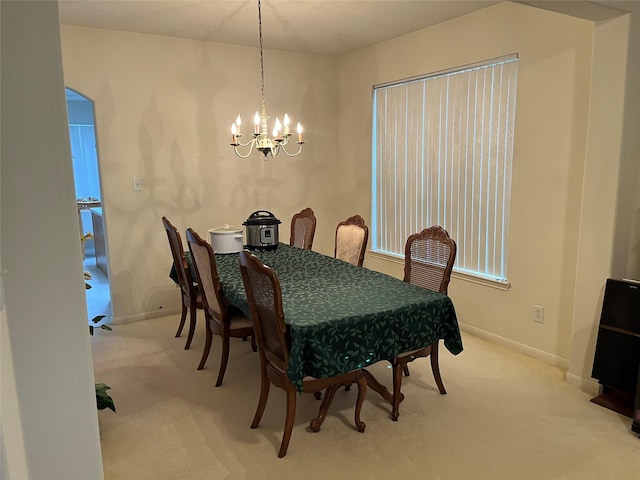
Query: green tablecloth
[342, 317]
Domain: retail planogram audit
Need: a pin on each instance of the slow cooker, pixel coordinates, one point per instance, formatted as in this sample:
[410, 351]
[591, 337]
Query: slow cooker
[226, 239]
[261, 230]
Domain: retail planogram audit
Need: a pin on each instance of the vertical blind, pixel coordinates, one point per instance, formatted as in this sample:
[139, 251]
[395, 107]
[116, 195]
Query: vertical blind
[442, 154]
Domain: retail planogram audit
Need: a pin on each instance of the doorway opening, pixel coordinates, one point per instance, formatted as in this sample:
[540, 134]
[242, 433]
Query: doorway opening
[86, 173]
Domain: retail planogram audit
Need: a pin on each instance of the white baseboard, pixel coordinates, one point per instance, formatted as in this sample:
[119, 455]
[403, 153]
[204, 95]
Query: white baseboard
[546, 357]
[145, 315]
[588, 385]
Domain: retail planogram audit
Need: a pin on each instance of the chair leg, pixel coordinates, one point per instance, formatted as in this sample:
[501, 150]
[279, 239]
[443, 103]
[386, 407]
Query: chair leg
[183, 317]
[254, 347]
[289, 419]
[435, 368]
[397, 383]
[224, 359]
[406, 370]
[362, 393]
[207, 347]
[264, 394]
[192, 323]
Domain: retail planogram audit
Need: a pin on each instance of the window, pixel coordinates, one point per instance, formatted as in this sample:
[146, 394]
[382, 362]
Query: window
[442, 154]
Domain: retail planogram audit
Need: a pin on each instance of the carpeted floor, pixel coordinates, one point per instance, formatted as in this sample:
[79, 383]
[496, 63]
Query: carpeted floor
[506, 416]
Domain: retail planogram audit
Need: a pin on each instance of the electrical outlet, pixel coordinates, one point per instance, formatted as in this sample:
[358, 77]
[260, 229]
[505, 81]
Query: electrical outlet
[137, 184]
[538, 314]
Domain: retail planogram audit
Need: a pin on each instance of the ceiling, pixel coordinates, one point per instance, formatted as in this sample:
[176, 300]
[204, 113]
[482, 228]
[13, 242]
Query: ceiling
[327, 27]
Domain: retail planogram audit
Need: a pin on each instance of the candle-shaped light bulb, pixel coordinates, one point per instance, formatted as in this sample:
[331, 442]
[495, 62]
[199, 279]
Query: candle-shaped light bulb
[238, 123]
[234, 133]
[256, 123]
[277, 129]
[299, 129]
[286, 124]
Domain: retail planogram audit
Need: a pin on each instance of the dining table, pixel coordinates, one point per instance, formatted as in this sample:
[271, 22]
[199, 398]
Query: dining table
[341, 317]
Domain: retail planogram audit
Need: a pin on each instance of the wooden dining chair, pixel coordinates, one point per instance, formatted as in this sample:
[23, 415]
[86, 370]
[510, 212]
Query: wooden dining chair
[222, 318]
[265, 301]
[303, 228]
[428, 262]
[190, 295]
[352, 235]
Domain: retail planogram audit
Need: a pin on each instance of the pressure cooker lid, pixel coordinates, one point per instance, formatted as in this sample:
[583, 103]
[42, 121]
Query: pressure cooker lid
[262, 217]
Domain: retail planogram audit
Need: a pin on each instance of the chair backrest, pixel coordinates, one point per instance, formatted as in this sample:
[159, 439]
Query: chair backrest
[352, 235]
[428, 259]
[204, 262]
[303, 228]
[177, 252]
[265, 302]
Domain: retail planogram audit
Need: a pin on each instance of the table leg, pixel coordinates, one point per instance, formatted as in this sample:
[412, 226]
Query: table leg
[376, 386]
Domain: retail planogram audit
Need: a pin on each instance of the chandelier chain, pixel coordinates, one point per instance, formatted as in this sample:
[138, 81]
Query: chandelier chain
[264, 109]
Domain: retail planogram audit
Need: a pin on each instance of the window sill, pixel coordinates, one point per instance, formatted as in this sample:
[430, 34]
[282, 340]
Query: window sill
[398, 259]
[504, 286]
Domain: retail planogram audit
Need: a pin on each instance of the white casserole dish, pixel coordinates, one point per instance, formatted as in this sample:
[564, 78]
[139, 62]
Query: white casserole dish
[226, 239]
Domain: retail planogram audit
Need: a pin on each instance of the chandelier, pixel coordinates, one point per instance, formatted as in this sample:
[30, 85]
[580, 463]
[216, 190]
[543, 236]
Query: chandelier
[260, 137]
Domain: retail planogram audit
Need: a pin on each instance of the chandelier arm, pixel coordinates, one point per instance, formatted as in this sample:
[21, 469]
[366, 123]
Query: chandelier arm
[235, 149]
[240, 144]
[285, 140]
[292, 154]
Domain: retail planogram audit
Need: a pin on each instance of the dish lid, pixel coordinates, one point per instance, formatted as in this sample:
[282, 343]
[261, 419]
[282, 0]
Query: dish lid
[226, 229]
[261, 217]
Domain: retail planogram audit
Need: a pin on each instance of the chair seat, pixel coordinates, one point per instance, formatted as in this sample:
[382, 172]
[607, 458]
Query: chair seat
[409, 353]
[238, 320]
[418, 352]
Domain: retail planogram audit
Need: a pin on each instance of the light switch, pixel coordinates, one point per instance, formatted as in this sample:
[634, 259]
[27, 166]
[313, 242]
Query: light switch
[137, 184]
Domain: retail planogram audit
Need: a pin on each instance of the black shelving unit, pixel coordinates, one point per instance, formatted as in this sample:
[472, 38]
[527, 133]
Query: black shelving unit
[617, 358]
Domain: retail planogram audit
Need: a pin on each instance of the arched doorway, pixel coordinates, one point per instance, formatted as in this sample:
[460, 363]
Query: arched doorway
[86, 172]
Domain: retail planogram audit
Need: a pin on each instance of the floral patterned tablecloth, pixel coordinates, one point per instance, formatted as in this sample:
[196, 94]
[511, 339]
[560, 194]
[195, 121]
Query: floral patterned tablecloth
[342, 317]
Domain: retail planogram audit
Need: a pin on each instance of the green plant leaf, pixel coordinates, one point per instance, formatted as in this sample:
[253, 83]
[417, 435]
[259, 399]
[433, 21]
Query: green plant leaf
[103, 400]
[97, 318]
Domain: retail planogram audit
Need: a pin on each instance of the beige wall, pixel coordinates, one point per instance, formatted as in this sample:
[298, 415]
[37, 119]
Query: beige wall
[628, 201]
[164, 109]
[597, 230]
[551, 138]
